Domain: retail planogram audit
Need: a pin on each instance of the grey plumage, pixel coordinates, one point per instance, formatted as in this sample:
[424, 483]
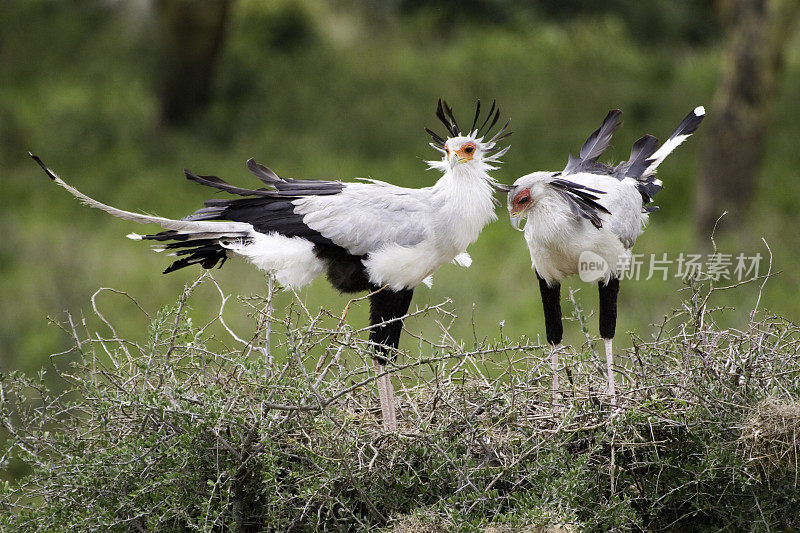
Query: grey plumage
[645, 154]
[639, 160]
[636, 167]
[366, 216]
[595, 145]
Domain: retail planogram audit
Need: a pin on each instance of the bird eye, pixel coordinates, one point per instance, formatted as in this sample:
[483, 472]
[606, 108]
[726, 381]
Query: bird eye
[469, 149]
[524, 200]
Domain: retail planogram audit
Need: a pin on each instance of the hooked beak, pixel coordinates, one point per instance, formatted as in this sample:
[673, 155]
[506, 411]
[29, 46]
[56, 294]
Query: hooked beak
[516, 219]
[454, 160]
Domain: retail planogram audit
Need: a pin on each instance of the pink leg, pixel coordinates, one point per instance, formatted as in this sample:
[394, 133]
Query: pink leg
[554, 368]
[386, 396]
[612, 391]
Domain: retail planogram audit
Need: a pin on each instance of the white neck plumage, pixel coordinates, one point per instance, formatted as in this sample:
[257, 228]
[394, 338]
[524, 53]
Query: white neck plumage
[465, 199]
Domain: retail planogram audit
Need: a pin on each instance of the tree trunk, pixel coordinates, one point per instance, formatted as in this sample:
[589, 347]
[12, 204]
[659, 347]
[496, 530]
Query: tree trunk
[757, 32]
[191, 34]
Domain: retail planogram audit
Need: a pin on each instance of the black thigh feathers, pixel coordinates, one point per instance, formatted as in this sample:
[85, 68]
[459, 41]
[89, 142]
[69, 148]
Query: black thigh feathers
[388, 305]
[608, 307]
[345, 271]
[551, 303]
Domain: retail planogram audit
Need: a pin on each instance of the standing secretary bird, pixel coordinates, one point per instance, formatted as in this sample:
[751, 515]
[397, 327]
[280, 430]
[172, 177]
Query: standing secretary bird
[366, 236]
[590, 214]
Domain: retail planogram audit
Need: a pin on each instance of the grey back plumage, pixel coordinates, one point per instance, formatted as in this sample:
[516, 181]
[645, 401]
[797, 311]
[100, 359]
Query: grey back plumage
[367, 216]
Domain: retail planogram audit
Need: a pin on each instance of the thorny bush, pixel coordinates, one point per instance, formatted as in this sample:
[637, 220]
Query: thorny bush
[281, 432]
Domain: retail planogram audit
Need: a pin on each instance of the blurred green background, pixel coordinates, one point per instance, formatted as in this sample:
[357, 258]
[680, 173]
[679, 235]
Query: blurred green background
[343, 89]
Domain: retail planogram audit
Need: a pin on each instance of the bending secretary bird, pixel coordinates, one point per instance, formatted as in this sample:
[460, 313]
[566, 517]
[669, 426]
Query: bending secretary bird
[590, 212]
[366, 236]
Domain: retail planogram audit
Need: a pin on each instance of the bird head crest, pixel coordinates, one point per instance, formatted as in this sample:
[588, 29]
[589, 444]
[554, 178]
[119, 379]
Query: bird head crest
[490, 149]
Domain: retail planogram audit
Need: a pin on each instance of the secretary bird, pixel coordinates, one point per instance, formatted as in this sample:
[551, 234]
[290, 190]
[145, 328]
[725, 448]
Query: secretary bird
[366, 236]
[590, 214]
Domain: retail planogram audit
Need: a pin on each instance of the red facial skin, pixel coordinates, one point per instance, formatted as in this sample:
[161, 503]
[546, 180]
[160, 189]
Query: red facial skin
[521, 201]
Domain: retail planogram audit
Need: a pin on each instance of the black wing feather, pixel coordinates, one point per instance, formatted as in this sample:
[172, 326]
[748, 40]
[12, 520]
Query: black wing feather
[582, 200]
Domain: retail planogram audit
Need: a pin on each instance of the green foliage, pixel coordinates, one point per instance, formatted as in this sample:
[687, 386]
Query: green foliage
[345, 96]
[169, 435]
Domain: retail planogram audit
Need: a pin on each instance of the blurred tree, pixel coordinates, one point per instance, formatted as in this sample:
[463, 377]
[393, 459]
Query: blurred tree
[191, 34]
[757, 32]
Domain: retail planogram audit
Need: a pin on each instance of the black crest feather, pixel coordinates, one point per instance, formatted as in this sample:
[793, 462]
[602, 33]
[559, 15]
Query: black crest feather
[445, 115]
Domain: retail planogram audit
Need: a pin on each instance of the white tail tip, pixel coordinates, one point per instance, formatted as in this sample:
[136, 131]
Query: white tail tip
[699, 111]
[134, 236]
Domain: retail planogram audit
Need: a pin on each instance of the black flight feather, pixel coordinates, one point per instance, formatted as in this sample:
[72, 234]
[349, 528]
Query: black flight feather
[437, 140]
[451, 117]
[582, 200]
[493, 122]
[445, 115]
[44, 167]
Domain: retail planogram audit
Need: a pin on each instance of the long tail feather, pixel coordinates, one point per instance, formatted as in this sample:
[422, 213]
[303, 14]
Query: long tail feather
[200, 228]
[683, 131]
